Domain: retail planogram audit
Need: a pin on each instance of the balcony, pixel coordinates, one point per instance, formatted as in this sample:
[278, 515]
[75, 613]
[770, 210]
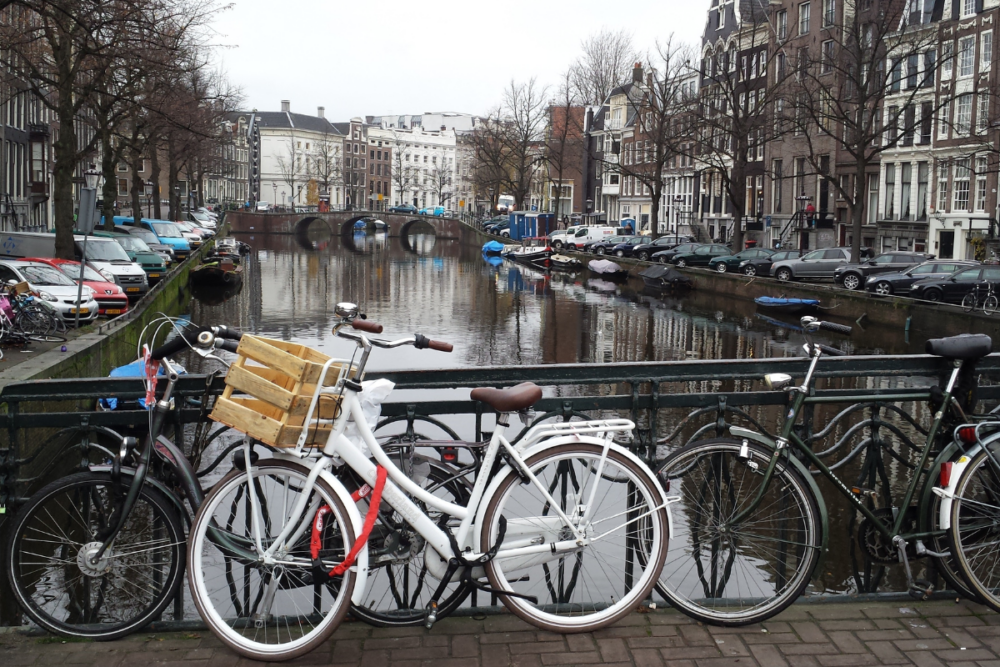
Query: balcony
[38, 131]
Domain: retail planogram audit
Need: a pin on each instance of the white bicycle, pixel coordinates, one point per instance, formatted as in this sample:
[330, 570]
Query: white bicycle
[569, 528]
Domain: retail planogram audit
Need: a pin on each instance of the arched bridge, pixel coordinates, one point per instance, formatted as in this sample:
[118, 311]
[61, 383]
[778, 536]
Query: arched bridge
[339, 222]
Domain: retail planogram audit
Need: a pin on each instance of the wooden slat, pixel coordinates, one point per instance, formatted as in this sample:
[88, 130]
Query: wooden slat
[270, 356]
[259, 387]
[254, 424]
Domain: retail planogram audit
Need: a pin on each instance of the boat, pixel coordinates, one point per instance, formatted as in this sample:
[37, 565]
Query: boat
[565, 263]
[534, 251]
[221, 272]
[493, 260]
[493, 248]
[230, 246]
[780, 304]
[607, 269]
[664, 277]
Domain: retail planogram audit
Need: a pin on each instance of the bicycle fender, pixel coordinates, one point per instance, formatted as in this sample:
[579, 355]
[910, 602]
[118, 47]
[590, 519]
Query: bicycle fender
[361, 562]
[562, 440]
[762, 439]
[948, 494]
[182, 509]
[928, 492]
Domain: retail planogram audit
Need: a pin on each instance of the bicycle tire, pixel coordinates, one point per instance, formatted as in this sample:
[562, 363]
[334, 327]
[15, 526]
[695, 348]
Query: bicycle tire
[569, 599]
[33, 320]
[990, 305]
[232, 609]
[411, 604]
[76, 506]
[969, 302]
[704, 473]
[973, 532]
[947, 566]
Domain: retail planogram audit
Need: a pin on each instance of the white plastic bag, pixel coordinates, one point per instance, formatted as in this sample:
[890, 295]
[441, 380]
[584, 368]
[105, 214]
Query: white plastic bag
[373, 392]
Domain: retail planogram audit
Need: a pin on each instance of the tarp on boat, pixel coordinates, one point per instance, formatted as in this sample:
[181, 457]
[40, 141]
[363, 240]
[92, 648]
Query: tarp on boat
[782, 302]
[603, 266]
[665, 275]
[492, 247]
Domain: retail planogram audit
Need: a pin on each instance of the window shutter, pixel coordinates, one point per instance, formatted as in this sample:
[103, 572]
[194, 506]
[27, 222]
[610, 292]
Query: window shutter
[979, 6]
[955, 7]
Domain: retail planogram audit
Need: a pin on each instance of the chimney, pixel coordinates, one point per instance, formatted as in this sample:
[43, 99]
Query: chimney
[444, 128]
[321, 112]
[286, 106]
[637, 73]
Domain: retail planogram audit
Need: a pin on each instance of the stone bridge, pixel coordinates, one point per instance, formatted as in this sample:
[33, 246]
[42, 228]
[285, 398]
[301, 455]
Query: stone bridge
[339, 222]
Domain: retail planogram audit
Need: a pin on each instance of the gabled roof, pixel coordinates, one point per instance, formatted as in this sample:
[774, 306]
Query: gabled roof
[298, 121]
[342, 128]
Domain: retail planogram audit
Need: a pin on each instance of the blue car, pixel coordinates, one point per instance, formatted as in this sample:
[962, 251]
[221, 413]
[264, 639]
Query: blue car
[167, 232]
[436, 211]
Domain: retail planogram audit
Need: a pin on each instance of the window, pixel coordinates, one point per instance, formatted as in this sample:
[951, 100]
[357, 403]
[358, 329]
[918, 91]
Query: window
[782, 25]
[122, 187]
[895, 76]
[906, 176]
[891, 125]
[122, 166]
[942, 187]
[986, 51]
[963, 115]
[743, 67]
[968, 7]
[980, 184]
[912, 70]
[722, 16]
[944, 120]
[982, 113]
[777, 182]
[922, 175]
[872, 198]
[804, 18]
[890, 190]
[960, 184]
[829, 12]
[947, 59]
[909, 123]
[966, 55]
[763, 63]
[779, 68]
[926, 120]
[753, 66]
[827, 65]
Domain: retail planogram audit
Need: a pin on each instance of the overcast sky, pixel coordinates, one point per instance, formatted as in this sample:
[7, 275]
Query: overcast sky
[371, 58]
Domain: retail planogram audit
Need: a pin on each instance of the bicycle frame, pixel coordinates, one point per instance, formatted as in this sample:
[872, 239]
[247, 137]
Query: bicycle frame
[788, 437]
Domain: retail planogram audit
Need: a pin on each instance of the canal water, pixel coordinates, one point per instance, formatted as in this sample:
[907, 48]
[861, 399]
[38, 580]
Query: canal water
[499, 313]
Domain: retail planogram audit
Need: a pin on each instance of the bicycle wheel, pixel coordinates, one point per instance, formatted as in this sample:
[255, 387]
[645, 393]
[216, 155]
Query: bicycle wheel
[50, 572]
[990, 305]
[947, 566]
[399, 584]
[975, 528]
[969, 302]
[586, 587]
[33, 321]
[727, 574]
[273, 611]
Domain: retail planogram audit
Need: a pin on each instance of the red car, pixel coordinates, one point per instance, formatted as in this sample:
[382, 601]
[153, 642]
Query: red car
[110, 297]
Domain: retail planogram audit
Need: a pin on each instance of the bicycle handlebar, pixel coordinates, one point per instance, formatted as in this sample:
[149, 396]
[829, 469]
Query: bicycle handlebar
[370, 327]
[222, 337]
[835, 328]
[423, 342]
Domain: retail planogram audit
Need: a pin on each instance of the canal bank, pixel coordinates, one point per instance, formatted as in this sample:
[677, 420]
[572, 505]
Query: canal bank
[921, 319]
[105, 345]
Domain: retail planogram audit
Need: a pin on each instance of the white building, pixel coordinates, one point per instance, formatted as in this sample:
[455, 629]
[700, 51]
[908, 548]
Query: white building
[298, 157]
[424, 164]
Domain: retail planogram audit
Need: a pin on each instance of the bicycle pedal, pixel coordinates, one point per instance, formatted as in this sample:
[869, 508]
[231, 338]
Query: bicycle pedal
[921, 589]
[865, 492]
[431, 617]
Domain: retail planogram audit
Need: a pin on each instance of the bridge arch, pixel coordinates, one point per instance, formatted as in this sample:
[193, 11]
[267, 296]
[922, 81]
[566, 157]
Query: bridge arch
[410, 227]
[310, 236]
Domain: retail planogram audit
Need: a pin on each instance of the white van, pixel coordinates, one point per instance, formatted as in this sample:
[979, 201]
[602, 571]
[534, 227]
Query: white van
[586, 235]
[110, 260]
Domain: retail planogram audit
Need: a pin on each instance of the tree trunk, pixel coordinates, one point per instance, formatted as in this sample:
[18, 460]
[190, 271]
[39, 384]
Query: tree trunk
[138, 185]
[65, 165]
[737, 196]
[154, 175]
[172, 178]
[654, 213]
[110, 188]
[858, 211]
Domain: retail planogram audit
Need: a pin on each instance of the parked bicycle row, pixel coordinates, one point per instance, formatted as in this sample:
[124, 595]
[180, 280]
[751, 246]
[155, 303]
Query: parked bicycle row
[566, 525]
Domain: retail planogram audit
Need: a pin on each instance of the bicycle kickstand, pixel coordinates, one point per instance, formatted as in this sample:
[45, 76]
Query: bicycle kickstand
[919, 589]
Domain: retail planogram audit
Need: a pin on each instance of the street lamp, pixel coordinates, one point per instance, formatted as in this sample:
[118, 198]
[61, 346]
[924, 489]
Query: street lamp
[85, 222]
[149, 198]
[802, 199]
[274, 189]
[282, 199]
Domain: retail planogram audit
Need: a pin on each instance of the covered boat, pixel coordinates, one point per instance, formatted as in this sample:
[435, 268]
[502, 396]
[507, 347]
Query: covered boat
[535, 251]
[565, 262]
[492, 248]
[775, 304]
[607, 269]
[661, 277]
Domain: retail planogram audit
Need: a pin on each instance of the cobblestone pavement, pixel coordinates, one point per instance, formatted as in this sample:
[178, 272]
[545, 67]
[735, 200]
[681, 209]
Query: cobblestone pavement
[825, 634]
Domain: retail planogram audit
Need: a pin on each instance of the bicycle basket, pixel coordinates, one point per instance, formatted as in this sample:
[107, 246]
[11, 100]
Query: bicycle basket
[269, 389]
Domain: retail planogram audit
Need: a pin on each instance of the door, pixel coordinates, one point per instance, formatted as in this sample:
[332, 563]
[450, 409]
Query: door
[960, 285]
[811, 264]
[946, 245]
[832, 258]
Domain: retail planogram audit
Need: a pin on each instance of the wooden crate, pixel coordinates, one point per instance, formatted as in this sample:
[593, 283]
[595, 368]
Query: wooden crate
[269, 388]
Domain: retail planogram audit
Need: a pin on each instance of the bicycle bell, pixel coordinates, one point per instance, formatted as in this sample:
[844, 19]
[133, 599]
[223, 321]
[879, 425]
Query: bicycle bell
[346, 310]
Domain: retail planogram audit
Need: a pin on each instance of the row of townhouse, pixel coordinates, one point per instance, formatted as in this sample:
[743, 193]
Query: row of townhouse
[932, 185]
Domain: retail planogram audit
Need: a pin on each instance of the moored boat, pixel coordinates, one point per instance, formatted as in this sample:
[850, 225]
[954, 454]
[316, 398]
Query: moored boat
[565, 262]
[664, 277]
[221, 272]
[493, 248]
[535, 251]
[607, 269]
[785, 305]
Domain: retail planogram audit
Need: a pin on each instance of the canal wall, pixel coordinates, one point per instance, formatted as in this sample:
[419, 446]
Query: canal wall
[108, 344]
[921, 319]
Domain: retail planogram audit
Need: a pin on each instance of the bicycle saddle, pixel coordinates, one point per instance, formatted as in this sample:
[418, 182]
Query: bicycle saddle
[963, 346]
[512, 399]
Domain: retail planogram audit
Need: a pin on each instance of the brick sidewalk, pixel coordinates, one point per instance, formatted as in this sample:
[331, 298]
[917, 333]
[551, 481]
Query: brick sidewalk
[928, 634]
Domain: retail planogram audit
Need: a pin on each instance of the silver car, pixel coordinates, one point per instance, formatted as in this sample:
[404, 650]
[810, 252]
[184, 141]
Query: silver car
[816, 264]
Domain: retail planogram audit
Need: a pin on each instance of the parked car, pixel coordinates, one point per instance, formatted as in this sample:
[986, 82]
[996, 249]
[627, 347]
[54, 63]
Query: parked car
[436, 211]
[209, 212]
[700, 256]
[603, 246]
[263, 207]
[589, 234]
[53, 287]
[111, 299]
[761, 266]
[627, 247]
[816, 264]
[152, 263]
[558, 239]
[664, 256]
[732, 262]
[899, 283]
[648, 247]
[166, 232]
[403, 208]
[853, 276]
[150, 239]
[203, 219]
[953, 288]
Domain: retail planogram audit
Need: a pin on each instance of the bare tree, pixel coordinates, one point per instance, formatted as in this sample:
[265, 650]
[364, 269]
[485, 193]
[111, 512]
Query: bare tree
[290, 166]
[661, 104]
[520, 131]
[869, 91]
[606, 61]
[563, 138]
[403, 173]
[441, 184]
[327, 165]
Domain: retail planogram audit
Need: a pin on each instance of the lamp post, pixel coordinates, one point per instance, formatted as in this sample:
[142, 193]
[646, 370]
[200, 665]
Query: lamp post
[802, 199]
[298, 198]
[177, 196]
[85, 222]
[274, 189]
[282, 199]
[149, 198]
